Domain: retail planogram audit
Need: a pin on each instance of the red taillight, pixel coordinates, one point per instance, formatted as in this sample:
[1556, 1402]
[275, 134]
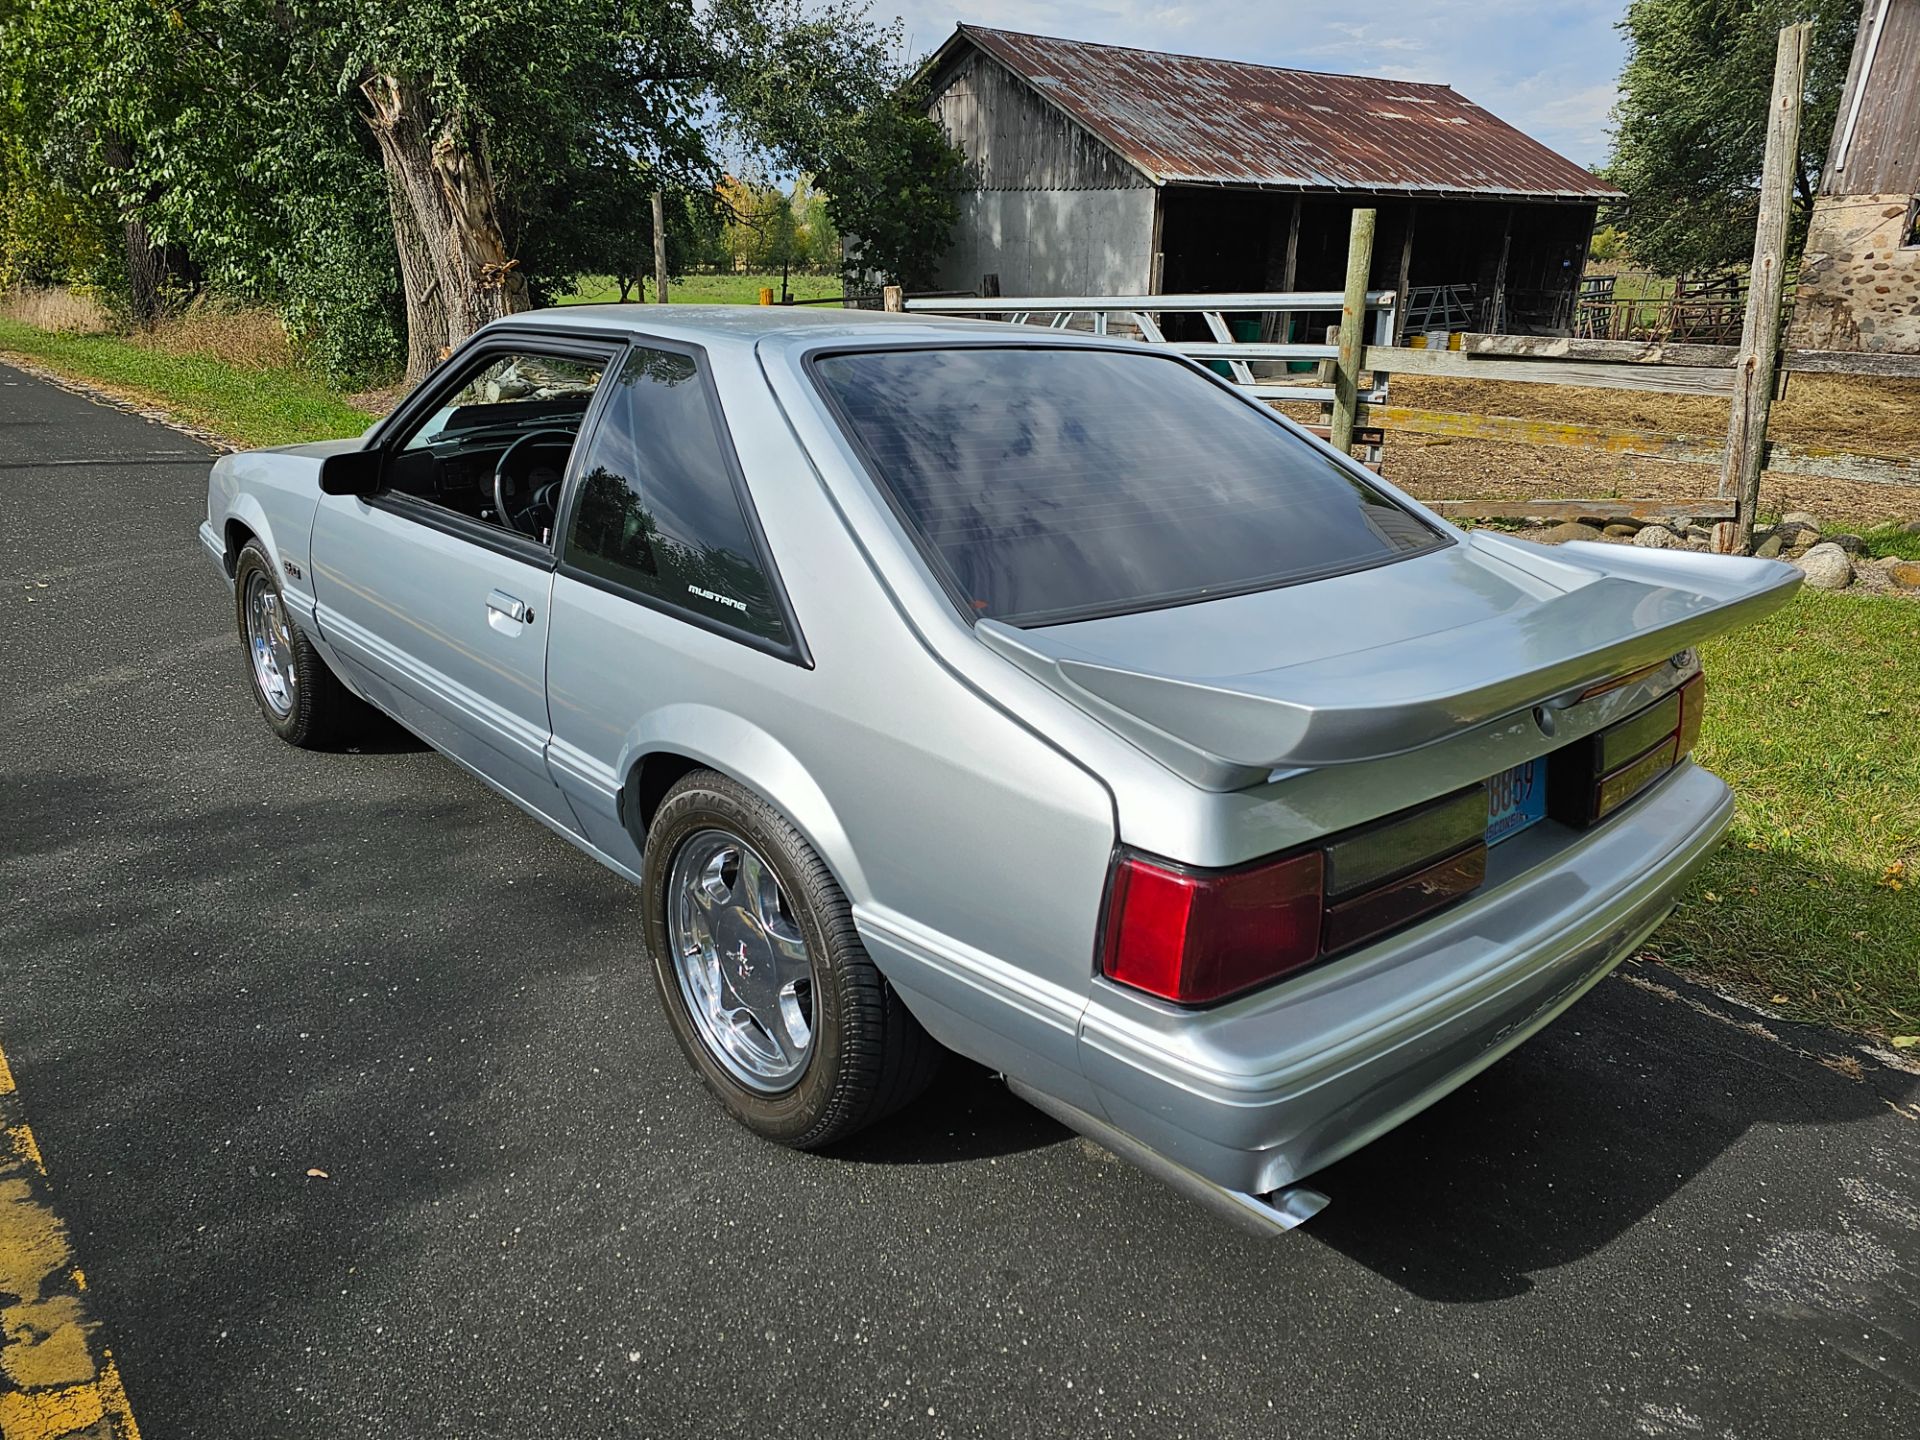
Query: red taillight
[1195, 937]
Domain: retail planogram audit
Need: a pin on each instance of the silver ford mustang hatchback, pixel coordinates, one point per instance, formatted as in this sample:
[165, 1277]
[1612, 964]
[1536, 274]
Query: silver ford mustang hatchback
[948, 685]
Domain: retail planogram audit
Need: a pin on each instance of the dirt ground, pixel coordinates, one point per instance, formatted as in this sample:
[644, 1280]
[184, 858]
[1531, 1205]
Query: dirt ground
[1869, 417]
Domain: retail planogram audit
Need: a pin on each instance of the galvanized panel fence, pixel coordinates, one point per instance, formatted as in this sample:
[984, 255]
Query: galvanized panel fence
[1141, 317]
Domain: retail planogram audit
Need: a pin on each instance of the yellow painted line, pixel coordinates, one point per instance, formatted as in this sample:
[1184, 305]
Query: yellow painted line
[57, 1377]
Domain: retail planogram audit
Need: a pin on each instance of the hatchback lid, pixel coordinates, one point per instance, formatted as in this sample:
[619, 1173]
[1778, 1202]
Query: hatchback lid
[1360, 666]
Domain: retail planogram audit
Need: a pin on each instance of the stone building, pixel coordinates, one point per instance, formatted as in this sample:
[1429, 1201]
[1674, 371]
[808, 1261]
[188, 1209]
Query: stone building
[1860, 276]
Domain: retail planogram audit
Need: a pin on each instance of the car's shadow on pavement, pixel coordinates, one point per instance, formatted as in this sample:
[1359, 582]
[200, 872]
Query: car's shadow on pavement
[1546, 1158]
[1583, 1133]
[966, 1114]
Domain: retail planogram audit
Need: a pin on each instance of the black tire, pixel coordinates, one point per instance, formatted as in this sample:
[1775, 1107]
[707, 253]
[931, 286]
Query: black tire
[868, 1056]
[320, 712]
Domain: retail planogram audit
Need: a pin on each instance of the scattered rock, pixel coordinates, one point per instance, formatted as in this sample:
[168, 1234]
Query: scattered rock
[1826, 567]
[1799, 520]
[1912, 527]
[1657, 537]
[1622, 531]
[1769, 548]
[1904, 573]
[1871, 580]
[1852, 544]
[1567, 530]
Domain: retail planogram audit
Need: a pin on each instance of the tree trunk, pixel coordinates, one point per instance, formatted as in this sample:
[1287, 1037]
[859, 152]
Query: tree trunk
[427, 339]
[146, 262]
[453, 255]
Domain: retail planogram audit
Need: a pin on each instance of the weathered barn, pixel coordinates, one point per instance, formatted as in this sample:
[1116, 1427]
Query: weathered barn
[1860, 275]
[1103, 170]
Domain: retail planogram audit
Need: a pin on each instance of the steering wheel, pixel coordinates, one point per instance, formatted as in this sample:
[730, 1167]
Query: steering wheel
[510, 483]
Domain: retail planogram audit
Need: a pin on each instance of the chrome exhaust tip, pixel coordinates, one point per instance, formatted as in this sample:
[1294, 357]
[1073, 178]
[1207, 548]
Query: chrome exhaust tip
[1273, 1214]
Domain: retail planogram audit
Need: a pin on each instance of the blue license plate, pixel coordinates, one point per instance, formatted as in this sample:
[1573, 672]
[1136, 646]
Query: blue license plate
[1516, 798]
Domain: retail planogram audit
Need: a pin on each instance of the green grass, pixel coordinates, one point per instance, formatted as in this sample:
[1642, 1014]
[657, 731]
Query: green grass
[252, 407]
[714, 289]
[1892, 540]
[1814, 717]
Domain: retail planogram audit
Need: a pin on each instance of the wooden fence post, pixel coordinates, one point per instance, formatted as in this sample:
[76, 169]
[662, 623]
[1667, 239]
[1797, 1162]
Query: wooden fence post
[1353, 324]
[1753, 374]
[659, 248]
[893, 299]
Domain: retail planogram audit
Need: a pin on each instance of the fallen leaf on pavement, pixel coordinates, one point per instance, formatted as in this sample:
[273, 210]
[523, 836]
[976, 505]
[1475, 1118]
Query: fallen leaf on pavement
[317, 1175]
[1905, 1042]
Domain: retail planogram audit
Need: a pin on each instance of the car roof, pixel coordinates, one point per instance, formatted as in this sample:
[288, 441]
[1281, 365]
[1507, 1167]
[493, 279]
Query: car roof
[785, 327]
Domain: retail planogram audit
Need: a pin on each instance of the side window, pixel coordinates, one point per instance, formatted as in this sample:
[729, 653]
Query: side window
[495, 447]
[658, 511]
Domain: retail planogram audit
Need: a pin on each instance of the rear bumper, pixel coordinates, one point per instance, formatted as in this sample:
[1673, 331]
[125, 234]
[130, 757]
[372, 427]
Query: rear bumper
[1260, 1092]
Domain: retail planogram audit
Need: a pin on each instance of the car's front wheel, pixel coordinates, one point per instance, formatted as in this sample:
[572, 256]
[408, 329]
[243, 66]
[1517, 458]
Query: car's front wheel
[301, 699]
[765, 981]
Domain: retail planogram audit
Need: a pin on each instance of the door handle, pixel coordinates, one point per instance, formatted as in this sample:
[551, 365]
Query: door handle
[502, 603]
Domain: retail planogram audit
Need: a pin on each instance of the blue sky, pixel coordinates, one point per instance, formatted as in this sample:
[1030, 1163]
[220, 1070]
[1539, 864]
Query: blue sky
[1547, 66]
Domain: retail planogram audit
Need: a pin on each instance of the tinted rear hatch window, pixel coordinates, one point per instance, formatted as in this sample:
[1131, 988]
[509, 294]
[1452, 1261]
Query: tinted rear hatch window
[1050, 484]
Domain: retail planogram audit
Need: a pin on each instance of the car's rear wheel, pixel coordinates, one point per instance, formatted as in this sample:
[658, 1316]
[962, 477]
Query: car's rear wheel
[302, 700]
[765, 981]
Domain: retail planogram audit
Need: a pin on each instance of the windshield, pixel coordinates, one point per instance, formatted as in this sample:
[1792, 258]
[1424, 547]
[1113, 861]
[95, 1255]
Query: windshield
[1055, 483]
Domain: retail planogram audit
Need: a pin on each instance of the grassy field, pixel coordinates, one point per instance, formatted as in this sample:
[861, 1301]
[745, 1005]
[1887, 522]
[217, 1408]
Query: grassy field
[1812, 716]
[248, 405]
[714, 289]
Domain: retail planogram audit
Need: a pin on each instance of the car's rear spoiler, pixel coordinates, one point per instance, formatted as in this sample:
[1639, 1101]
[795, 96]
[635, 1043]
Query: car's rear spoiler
[1598, 611]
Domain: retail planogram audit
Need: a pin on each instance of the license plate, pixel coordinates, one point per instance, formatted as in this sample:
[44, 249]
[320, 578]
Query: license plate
[1516, 798]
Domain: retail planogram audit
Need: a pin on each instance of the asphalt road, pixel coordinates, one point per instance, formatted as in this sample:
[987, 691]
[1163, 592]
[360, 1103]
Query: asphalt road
[228, 963]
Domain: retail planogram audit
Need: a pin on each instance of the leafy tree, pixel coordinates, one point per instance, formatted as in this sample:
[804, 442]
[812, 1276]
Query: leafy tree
[393, 173]
[1690, 126]
[893, 185]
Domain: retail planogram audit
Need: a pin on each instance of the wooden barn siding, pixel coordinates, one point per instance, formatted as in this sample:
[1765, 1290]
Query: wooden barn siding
[1052, 242]
[1014, 139]
[1884, 156]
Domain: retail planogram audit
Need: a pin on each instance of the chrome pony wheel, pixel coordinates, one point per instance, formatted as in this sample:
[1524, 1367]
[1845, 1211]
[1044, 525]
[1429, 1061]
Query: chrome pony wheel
[270, 645]
[740, 961]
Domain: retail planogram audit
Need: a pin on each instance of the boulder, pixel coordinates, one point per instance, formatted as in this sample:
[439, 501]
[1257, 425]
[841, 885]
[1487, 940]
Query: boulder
[1657, 537]
[1852, 544]
[1826, 567]
[1800, 520]
[1903, 573]
[1566, 530]
[1620, 530]
[1769, 548]
[1912, 527]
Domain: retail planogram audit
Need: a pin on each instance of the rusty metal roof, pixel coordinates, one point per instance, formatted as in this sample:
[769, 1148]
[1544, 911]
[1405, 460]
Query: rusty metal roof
[1184, 120]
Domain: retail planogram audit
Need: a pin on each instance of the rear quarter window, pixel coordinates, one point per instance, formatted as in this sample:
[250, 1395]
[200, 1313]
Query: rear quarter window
[1051, 483]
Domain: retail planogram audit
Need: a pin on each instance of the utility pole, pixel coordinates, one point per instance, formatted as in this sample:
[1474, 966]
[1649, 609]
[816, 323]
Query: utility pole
[659, 247]
[1753, 375]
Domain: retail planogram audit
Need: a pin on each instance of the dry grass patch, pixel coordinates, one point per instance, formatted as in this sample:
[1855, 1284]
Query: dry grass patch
[247, 338]
[56, 309]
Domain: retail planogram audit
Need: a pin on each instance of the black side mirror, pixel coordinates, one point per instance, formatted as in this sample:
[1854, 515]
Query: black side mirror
[352, 472]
